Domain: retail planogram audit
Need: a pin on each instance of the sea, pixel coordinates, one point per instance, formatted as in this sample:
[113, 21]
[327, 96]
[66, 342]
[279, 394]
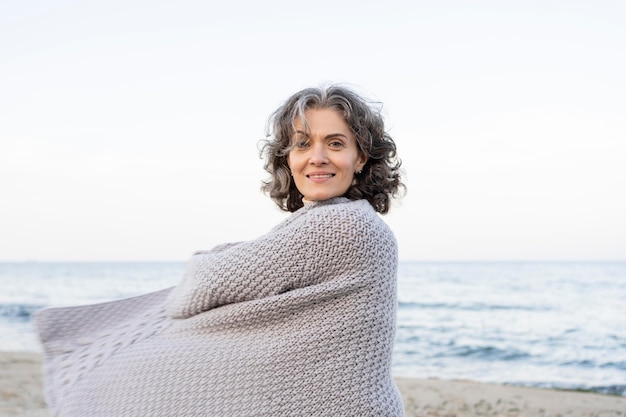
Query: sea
[541, 324]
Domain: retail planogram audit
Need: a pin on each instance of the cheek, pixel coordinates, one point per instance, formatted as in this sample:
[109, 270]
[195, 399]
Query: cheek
[294, 162]
[352, 164]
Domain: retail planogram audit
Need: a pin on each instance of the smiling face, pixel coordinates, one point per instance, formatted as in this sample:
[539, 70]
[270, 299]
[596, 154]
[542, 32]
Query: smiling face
[324, 159]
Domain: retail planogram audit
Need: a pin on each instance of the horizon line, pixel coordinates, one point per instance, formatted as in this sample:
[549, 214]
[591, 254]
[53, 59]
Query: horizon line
[34, 261]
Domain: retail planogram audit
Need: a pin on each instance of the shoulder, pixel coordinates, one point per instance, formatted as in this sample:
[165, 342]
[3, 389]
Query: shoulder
[355, 219]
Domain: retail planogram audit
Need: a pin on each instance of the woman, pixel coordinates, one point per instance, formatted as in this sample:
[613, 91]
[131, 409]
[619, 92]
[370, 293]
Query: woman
[299, 322]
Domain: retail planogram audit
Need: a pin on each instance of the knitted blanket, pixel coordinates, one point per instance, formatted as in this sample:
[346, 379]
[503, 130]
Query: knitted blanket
[299, 322]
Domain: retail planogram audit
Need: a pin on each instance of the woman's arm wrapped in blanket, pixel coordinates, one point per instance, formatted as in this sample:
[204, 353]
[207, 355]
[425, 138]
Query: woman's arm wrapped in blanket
[317, 243]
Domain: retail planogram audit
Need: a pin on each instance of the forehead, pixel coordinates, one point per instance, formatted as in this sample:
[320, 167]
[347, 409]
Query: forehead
[321, 119]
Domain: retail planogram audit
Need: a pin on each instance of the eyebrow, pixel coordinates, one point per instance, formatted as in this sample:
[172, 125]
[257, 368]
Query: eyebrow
[329, 136]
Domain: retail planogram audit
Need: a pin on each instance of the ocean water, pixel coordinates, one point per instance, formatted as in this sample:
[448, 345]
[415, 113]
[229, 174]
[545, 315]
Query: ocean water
[559, 325]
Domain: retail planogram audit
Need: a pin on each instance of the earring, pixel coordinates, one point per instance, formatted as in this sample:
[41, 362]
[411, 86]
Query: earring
[359, 172]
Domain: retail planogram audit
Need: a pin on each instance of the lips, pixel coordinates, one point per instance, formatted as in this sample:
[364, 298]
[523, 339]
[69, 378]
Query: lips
[320, 175]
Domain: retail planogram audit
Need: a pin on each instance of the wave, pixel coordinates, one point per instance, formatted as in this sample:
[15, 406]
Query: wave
[411, 305]
[586, 363]
[617, 389]
[610, 389]
[18, 312]
[483, 352]
[616, 365]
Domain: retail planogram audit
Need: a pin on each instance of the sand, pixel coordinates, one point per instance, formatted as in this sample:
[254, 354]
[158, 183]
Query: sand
[20, 385]
[21, 395]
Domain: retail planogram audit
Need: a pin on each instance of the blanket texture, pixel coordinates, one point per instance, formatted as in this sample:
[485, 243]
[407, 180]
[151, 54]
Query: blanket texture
[299, 322]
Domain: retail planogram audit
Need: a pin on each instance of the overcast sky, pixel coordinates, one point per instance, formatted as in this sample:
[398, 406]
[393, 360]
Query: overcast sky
[129, 129]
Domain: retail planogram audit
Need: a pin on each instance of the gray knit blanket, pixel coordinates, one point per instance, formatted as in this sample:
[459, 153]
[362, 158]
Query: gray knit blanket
[299, 322]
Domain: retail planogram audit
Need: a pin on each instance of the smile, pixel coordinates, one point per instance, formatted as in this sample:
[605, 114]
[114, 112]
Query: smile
[320, 176]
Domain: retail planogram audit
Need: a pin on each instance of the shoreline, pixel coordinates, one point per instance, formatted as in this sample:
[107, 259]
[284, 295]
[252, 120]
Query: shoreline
[21, 395]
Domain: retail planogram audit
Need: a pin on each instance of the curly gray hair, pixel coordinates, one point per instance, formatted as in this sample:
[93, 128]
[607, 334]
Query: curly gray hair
[380, 177]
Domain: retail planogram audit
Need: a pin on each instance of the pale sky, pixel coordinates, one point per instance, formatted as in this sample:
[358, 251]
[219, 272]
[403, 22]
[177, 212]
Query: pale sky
[129, 129]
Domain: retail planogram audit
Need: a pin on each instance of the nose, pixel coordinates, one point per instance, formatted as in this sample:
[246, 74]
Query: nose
[318, 155]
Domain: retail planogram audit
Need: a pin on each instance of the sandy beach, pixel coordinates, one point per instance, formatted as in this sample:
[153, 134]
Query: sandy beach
[21, 395]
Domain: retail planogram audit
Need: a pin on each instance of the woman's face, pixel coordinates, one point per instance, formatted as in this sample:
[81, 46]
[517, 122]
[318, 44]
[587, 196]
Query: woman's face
[324, 159]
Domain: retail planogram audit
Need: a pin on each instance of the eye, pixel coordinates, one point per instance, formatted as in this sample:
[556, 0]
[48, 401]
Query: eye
[301, 144]
[336, 144]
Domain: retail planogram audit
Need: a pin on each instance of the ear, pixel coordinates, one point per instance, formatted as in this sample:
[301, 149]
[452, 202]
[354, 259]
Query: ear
[361, 161]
